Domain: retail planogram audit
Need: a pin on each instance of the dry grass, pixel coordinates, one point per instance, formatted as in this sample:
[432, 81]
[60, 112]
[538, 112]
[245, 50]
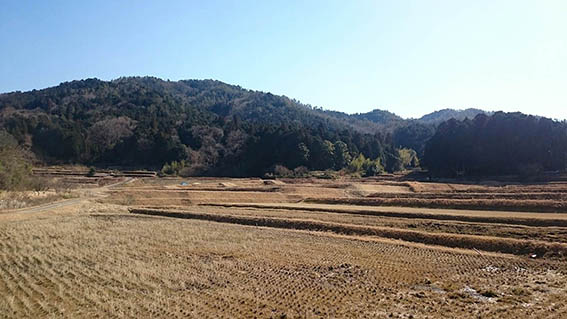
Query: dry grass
[550, 233]
[313, 261]
[486, 196]
[10, 200]
[546, 206]
[100, 261]
[504, 245]
[477, 216]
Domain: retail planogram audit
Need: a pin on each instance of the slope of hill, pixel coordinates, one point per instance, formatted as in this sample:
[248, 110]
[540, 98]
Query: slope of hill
[497, 144]
[210, 124]
[210, 127]
[381, 117]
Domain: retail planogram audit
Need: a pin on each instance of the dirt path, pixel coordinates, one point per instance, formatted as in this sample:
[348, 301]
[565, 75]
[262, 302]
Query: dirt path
[85, 195]
[59, 204]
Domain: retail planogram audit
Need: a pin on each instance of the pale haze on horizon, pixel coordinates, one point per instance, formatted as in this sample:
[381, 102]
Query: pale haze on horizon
[408, 57]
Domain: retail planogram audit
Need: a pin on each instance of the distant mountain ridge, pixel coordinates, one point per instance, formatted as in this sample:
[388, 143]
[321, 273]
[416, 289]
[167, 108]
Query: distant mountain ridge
[379, 116]
[436, 117]
[443, 115]
[243, 102]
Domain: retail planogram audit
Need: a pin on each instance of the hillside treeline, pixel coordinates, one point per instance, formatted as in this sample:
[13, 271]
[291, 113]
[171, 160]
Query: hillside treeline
[207, 127]
[501, 144]
[212, 127]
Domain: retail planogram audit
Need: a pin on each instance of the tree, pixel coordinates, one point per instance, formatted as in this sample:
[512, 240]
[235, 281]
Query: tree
[322, 154]
[409, 158]
[216, 128]
[393, 162]
[15, 169]
[302, 155]
[104, 135]
[413, 136]
[500, 144]
[365, 166]
[341, 154]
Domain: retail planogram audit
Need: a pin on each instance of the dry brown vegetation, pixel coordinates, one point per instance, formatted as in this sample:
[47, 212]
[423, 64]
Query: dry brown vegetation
[513, 246]
[10, 200]
[214, 248]
[553, 206]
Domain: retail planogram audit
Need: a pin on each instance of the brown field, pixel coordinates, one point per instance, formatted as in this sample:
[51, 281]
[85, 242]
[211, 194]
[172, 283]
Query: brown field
[249, 248]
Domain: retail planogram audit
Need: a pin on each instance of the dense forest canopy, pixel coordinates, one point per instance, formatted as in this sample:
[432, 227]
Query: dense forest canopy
[213, 127]
[210, 127]
[500, 144]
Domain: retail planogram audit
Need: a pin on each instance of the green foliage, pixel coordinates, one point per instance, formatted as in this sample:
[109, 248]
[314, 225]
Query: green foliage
[355, 166]
[413, 136]
[187, 128]
[365, 166]
[373, 168]
[174, 168]
[341, 154]
[392, 160]
[15, 169]
[303, 154]
[503, 143]
[409, 158]
[91, 172]
[323, 154]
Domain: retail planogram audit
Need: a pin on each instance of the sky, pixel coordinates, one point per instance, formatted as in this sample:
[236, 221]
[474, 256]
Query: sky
[408, 57]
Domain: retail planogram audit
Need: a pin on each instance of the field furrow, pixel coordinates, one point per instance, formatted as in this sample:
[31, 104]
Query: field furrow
[251, 249]
[512, 246]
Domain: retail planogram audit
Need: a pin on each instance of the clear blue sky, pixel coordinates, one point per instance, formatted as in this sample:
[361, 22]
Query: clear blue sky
[409, 57]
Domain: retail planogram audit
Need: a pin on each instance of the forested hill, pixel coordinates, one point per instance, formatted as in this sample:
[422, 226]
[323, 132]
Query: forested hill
[499, 144]
[383, 118]
[216, 127]
[92, 99]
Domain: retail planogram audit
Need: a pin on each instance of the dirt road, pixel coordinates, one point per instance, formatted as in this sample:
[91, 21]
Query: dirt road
[98, 192]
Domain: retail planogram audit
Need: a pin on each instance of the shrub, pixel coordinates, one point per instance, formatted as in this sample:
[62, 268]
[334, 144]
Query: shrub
[282, 171]
[193, 170]
[301, 171]
[92, 172]
[15, 169]
[173, 168]
[39, 184]
[373, 168]
[409, 158]
[365, 166]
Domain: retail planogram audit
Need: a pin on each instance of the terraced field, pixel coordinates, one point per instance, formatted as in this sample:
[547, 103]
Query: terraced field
[215, 248]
